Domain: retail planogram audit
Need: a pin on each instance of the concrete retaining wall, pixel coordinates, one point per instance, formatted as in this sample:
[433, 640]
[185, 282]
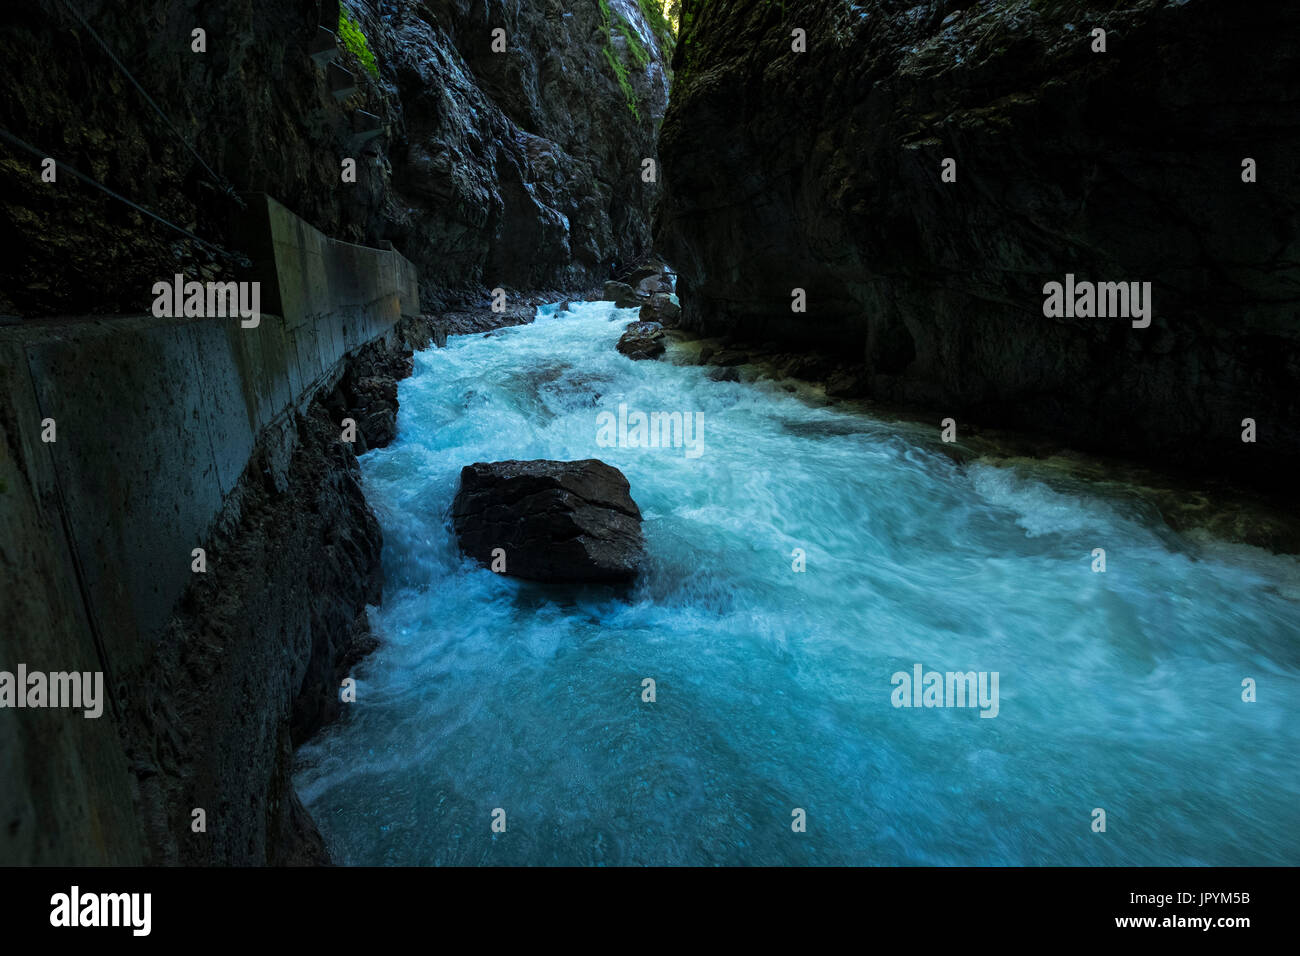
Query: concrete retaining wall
[155, 422]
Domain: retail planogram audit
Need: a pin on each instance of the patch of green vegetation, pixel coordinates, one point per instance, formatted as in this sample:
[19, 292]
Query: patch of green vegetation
[620, 69]
[634, 44]
[673, 14]
[356, 43]
[685, 21]
[662, 17]
[624, 83]
[687, 13]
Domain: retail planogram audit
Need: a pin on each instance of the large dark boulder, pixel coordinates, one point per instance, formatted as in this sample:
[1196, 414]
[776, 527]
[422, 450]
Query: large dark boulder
[555, 520]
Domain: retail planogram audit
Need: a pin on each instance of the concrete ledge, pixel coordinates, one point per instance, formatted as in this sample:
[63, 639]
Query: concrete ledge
[156, 420]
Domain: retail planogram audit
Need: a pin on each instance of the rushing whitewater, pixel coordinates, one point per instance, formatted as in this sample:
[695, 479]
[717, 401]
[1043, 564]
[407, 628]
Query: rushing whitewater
[773, 688]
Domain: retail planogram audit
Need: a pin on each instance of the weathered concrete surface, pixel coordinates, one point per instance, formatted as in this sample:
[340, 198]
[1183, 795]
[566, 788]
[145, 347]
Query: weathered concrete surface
[157, 421]
[63, 780]
[157, 418]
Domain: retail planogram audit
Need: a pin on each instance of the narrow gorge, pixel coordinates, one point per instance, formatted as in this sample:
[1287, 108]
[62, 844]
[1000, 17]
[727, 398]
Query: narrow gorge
[649, 432]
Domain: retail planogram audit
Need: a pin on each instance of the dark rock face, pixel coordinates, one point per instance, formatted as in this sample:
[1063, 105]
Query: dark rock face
[517, 169]
[555, 520]
[513, 169]
[525, 165]
[642, 340]
[822, 171]
[642, 274]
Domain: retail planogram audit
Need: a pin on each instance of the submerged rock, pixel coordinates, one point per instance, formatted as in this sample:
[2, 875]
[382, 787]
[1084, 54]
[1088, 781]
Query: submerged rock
[642, 340]
[549, 520]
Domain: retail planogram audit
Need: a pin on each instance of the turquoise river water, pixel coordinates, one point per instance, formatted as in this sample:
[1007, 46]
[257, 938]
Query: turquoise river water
[773, 688]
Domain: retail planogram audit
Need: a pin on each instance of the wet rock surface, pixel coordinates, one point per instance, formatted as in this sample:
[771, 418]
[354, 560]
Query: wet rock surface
[662, 308]
[551, 520]
[622, 295]
[648, 286]
[525, 165]
[642, 340]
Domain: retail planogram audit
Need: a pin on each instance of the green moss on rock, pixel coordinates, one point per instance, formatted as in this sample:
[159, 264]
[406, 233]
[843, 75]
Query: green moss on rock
[356, 43]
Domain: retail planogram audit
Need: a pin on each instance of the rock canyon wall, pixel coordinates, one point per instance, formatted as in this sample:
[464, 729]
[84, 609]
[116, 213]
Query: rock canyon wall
[517, 166]
[824, 170]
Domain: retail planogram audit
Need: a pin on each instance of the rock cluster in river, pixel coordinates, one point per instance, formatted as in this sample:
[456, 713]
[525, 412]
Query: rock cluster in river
[1119, 166]
[650, 288]
[549, 520]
